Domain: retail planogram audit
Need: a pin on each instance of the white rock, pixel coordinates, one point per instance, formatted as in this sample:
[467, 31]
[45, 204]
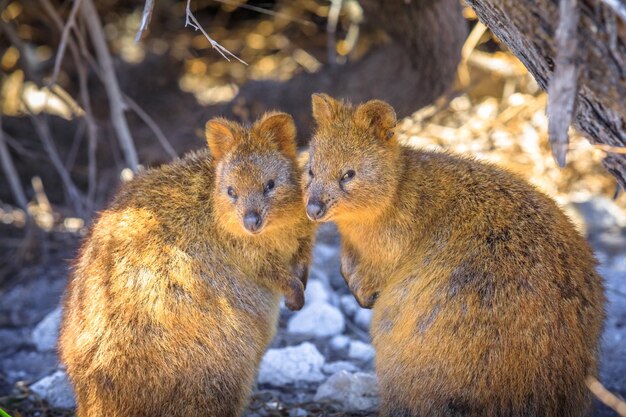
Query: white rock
[324, 254]
[317, 320]
[291, 364]
[363, 318]
[298, 412]
[350, 392]
[319, 273]
[334, 367]
[56, 390]
[46, 333]
[601, 213]
[315, 292]
[29, 365]
[339, 342]
[349, 305]
[361, 351]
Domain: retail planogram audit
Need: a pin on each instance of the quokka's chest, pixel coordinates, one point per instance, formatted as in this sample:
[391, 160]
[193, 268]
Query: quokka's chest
[380, 246]
[258, 257]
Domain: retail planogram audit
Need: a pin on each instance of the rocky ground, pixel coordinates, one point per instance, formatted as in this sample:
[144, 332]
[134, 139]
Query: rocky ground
[321, 361]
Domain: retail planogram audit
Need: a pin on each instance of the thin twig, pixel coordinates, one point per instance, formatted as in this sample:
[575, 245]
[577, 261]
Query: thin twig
[608, 148]
[190, 20]
[355, 16]
[605, 396]
[92, 130]
[11, 173]
[267, 12]
[563, 86]
[63, 43]
[72, 193]
[16, 41]
[116, 103]
[468, 47]
[146, 16]
[92, 135]
[20, 149]
[145, 117]
[331, 31]
[152, 125]
[70, 159]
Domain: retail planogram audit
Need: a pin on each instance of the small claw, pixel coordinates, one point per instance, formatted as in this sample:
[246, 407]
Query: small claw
[294, 299]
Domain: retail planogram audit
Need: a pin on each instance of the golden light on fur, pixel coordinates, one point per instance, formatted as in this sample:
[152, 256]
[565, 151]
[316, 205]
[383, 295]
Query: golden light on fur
[171, 305]
[486, 299]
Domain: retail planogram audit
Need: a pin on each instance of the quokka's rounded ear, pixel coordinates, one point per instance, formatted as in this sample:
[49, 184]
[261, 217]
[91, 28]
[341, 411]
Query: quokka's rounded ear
[280, 129]
[324, 107]
[221, 136]
[377, 115]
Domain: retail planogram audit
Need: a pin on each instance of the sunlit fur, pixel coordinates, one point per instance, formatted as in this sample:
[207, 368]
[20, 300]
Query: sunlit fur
[171, 303]
[488, 299]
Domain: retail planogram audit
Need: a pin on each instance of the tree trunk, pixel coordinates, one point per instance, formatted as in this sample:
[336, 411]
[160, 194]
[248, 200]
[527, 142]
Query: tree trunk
[528, 28]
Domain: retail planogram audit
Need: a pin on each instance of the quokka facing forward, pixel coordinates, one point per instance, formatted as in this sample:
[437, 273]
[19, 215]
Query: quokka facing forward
[175, 293]
[486, 299]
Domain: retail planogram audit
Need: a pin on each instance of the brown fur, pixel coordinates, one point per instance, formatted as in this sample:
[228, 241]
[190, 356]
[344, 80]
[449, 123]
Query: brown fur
[172, 302]
[486, 299]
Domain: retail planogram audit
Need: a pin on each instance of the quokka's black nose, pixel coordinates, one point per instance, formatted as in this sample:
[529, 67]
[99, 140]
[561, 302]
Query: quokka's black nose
[315, 209]
[252, 221]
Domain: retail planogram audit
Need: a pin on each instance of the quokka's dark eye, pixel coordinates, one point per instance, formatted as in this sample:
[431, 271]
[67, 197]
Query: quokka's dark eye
[348, 175]
[269, 186]
[231, 193]
[310, 172]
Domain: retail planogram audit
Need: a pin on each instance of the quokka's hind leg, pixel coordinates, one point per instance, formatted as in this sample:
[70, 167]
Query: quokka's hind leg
[89, 405]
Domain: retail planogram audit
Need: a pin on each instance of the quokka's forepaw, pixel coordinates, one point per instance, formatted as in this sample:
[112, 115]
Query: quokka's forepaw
[294, 298]
[301, 271]
[345, 274]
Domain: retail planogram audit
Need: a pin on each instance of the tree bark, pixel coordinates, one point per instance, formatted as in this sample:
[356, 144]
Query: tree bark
[528, 28]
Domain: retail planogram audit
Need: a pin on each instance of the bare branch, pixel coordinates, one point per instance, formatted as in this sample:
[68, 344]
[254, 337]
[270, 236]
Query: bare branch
[11, 174]
[145, 19]
[63, 43]
[607, 397]
[20, 149]
[190, 20]
[91, 124]
[267, 12]
[72, 193]
[609, 148]
[92, 131]
[152, 125]
[92, 134]
[70, 159]
[564, 81]
[116, 102]
[354, 12]
[16, 41]
[331, 31]
[44, 133]
[468, 47]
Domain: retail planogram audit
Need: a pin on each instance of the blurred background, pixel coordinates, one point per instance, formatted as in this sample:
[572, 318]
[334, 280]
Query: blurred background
[76, 120]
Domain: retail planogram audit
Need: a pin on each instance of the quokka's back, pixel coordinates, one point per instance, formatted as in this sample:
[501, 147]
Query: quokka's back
[486, 299]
